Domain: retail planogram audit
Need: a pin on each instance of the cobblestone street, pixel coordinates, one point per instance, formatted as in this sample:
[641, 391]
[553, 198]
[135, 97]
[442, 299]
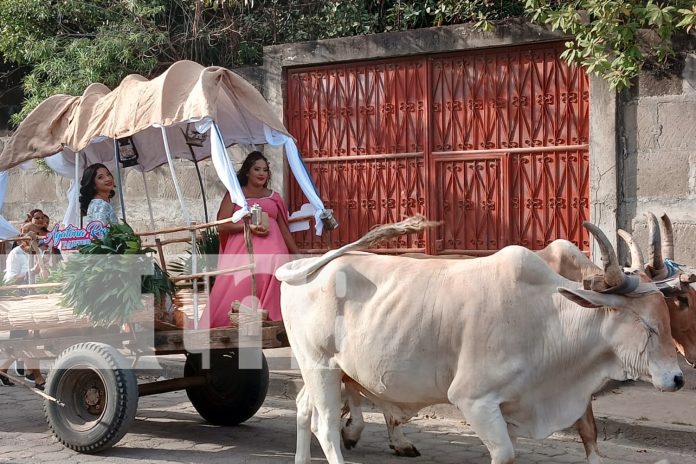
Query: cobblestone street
[168, 430]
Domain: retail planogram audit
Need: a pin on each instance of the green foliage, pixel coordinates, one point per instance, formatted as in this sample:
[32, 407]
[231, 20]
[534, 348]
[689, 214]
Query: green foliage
[614, 38]
[105, 280]
[71, 44]
[66, 45]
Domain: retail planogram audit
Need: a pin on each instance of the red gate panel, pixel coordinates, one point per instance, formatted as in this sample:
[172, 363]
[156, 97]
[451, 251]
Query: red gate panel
[530, 108]
[361, 130]
[492, 142]
[470, 203]
[545, 198]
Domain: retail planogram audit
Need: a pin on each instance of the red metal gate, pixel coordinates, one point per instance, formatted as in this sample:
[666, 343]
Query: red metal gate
[492, 142]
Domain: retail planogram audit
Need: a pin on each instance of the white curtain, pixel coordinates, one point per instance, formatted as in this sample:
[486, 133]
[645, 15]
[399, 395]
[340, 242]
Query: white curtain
[7, 230]
[298, 169]
[60, 166]
[225, 170]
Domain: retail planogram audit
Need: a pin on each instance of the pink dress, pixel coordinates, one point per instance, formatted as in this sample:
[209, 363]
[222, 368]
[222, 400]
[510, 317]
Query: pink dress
[270, 252]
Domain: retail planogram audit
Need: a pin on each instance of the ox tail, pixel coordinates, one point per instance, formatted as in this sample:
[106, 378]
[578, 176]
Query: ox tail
[297, 271]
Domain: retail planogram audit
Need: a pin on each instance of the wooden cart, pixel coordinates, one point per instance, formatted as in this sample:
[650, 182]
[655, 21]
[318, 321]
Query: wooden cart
[92, 385]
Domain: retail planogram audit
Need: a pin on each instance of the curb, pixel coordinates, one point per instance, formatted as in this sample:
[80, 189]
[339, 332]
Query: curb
[638, 433]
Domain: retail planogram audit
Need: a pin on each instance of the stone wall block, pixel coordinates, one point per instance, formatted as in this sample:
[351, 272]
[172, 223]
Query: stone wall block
[214, 189]
[39, 187]
[684, 237]
[133, 187]
[165, 187]
[663, 173]
[188, 181]
[16, 188]
[676, 124]
[647, 127]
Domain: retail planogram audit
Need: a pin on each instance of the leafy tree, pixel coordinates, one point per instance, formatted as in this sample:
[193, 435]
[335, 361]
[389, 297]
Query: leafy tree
[613, 38]
[69, 44]
[64, 45]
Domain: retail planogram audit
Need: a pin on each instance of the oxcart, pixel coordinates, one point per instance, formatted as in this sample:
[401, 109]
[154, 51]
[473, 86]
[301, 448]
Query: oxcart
[192, 113]
[92, 390]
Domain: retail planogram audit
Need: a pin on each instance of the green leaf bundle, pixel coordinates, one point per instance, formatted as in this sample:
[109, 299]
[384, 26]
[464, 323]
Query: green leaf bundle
[106, 280]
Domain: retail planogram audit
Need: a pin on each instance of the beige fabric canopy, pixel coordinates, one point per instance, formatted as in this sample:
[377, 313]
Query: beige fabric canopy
[186, 92]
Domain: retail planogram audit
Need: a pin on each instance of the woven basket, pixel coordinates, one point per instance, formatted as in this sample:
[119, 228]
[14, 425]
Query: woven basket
[241, 315]
[240, 319]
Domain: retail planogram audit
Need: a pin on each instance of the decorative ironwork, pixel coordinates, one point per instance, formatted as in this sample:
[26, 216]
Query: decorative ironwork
[362, 127]
[548, 198]
[364, 193]
[471, 204]
[502, 133]
[515, 97]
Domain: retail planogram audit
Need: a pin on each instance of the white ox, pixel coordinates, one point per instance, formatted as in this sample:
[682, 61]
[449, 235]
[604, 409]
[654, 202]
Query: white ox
[511, 343]
[570, 262]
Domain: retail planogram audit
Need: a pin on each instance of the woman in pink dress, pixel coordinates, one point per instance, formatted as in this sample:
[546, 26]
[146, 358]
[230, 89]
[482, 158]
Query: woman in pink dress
[272, 247]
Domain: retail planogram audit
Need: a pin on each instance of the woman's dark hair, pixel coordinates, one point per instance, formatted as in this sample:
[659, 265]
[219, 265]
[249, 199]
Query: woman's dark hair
[243, 173]
[31, 214]
[87, 187]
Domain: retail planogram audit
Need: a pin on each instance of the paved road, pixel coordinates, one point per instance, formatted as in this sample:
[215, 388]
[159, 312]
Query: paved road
[168, 430]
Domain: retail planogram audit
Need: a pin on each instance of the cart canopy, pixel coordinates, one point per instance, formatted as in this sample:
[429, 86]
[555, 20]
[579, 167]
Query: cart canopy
[156, 115]
[186, 92]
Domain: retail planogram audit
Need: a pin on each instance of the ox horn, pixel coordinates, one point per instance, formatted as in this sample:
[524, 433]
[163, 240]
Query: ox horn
[637, 261]
[613, 274]
[657, 266]
[667, 237]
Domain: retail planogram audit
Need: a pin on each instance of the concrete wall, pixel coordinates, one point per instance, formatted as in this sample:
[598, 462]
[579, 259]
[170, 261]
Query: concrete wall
[657, 161]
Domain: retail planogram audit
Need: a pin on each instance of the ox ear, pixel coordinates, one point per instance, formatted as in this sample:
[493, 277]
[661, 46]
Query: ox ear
[590, 299]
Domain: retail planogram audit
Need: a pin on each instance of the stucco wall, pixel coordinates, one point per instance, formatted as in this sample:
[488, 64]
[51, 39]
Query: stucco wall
[658, 155]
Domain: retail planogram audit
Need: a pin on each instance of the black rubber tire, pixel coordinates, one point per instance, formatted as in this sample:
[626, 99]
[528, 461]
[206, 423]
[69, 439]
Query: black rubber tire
[100, 392]
[232, 395]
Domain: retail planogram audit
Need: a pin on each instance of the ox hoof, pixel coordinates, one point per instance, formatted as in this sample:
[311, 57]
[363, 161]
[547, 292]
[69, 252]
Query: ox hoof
[349, 444]
[348, 441]
[409, 451]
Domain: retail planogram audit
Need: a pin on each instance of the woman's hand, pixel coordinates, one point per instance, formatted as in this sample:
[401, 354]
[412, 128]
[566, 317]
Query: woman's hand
[259, 230]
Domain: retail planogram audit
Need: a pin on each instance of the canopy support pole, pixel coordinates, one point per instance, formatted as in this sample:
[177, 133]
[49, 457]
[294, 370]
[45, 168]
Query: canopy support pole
[118, 179]
[149, 202]
[77, 186]
[175, 179]
[200, 182]
[187, 219]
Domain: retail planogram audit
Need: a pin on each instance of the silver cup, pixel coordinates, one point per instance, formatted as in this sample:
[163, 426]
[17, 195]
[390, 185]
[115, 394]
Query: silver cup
[256, 214]
[328, 219]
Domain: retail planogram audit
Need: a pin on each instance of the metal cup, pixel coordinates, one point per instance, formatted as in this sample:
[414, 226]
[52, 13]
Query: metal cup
[256, 214]
[328, 219]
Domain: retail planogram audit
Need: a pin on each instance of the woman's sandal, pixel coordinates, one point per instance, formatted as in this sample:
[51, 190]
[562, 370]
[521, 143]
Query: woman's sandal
[6, 380]
[40, 386]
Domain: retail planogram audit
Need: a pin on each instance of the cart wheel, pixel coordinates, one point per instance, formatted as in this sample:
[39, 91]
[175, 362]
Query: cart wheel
[232, 395]
[100, 392]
